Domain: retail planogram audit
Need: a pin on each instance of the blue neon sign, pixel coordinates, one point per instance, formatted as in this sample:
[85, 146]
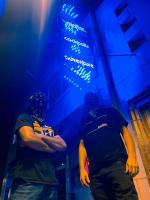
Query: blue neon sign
[78, 60]
[73, 28]
[76, 49]
[76, 42]
[81, 62]
[69, 10]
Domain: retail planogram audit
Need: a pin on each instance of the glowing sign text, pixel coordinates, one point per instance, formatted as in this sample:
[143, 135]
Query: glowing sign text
[81, 62]
[76, 42]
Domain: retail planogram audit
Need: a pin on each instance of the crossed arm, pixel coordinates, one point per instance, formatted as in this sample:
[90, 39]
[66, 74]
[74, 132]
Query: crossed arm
[41, 142]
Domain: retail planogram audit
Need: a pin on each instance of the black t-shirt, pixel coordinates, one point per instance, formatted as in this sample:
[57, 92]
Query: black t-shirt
[31, 165]
[100, 132]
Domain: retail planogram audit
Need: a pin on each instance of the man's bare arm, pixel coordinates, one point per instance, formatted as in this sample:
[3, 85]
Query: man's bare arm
[55, 142]
[132, 167]
[32, 141]
[84, 178]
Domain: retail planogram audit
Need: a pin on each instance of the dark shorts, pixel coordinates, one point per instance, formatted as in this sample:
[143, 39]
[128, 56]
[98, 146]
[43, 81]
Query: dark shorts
[112, 183]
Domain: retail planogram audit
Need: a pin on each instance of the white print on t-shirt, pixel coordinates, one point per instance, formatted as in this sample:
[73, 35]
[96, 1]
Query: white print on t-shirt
[45, 130]
[102, 125]
[48, 131]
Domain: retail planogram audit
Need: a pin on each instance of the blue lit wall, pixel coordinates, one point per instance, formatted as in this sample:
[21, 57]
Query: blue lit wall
[73, 97]
[130, 67]
[78, 64]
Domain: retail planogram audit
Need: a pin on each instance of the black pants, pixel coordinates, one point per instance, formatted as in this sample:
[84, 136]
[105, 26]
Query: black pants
[112, 183]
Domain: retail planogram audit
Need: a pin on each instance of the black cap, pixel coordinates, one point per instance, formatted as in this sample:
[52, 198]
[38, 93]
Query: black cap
[38, 102]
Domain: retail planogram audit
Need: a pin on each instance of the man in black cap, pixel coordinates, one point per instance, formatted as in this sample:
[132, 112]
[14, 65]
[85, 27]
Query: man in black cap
[33, 172]
[111, 169]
